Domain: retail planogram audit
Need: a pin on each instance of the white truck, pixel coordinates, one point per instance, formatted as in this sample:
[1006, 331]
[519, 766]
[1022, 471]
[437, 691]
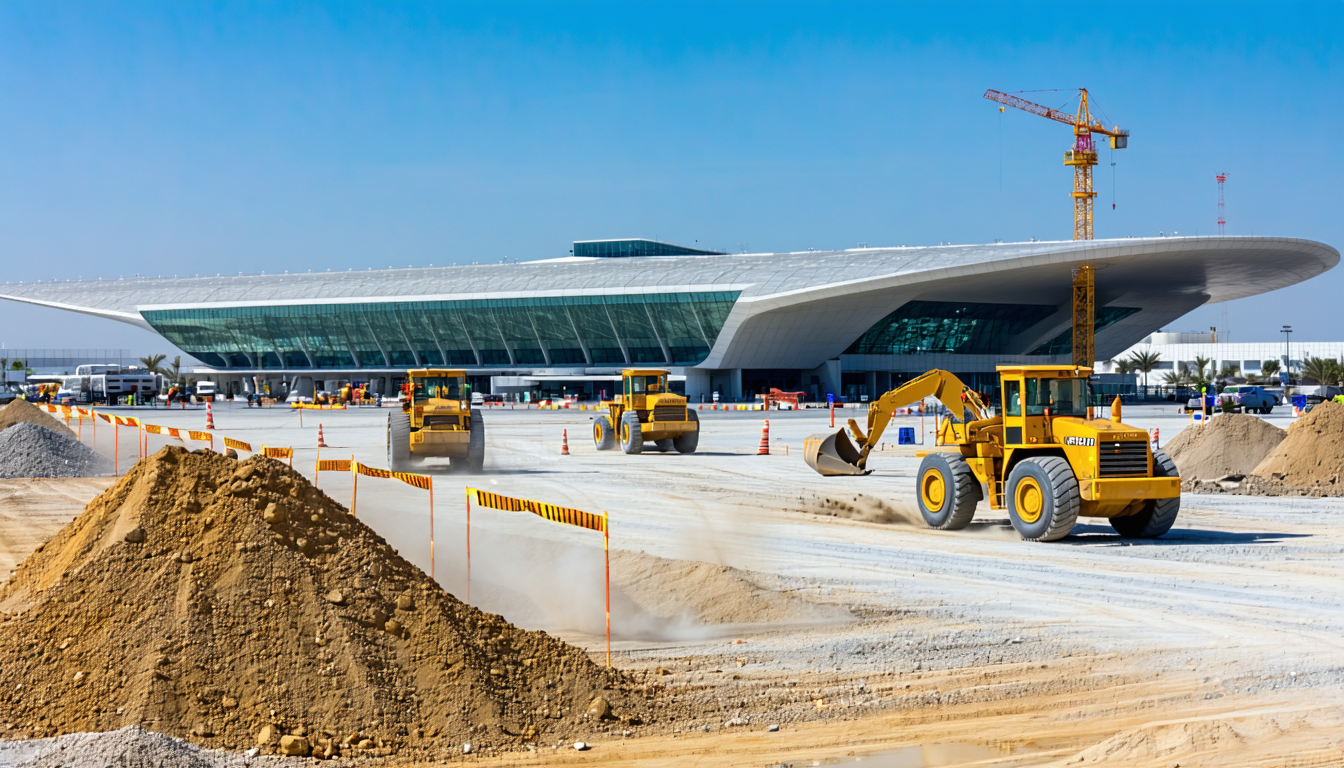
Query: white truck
[1249, 398]
[108, 384]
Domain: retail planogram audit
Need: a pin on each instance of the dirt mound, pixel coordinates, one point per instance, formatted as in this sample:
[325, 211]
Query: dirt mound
[1166, 740]
[706, 594]
[234, 604]
[1313, 452]
[30, 450]
[1230, 444]
[24, 412]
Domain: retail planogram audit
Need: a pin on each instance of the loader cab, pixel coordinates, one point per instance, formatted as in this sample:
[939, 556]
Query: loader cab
[1034, 394]
[640, 384]
[437, 387]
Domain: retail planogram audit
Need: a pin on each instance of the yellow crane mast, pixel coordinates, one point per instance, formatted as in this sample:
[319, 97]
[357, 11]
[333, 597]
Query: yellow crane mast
[1083, 155]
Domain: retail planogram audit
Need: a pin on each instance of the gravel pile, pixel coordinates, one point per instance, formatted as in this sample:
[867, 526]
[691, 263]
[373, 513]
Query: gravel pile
[28, 450]
[130, 747]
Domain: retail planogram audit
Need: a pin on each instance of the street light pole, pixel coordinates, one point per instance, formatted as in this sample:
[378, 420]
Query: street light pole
[1287, 356]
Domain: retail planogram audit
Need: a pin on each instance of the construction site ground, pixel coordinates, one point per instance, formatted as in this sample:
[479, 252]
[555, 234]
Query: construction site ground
[765, 595]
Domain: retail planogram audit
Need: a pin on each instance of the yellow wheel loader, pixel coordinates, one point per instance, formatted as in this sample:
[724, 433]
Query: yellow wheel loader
[646, 412]
[436, 420]
[1043, 458]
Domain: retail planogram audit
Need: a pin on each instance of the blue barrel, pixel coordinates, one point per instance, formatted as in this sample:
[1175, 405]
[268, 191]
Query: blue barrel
[905, 435]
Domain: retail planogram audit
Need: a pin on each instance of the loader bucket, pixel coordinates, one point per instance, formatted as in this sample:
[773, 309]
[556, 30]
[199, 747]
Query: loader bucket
[832, 454]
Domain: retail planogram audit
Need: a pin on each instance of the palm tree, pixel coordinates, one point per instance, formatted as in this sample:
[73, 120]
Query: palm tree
[1124, 367]
[1270, 368]
[1322, 370]
[1144, 362]
[174, 374]
[1200, 364]
[1179, 378]
[152, 363]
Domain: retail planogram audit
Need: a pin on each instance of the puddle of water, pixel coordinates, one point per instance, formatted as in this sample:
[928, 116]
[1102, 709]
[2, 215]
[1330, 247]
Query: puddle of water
[945, 755]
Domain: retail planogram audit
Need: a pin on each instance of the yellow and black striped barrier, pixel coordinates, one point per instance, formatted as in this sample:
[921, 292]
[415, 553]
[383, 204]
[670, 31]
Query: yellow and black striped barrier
[554, 513]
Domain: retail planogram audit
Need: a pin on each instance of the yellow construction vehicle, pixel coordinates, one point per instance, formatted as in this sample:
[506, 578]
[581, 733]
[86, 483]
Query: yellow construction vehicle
[646, 412]
[436, 420]
[1043, 458]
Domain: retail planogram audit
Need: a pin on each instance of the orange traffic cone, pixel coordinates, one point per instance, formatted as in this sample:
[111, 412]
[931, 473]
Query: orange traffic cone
[564, 444]
[321, 442]
[209, 417]
[764, 450]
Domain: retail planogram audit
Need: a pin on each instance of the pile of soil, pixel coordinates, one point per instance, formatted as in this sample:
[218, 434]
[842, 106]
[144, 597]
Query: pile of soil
[1230, 444]
[29, 450]
[706, 594]
[1312, 455]
[233, 604]
[24, 412]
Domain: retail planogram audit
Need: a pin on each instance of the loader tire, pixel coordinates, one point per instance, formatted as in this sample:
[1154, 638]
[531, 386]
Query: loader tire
[399, 441]
[1043, 498]
[632, 439]
[947, 491]
[1157, 515]
[663, 445]
[687, 442]
[474, 461]
[604, 434]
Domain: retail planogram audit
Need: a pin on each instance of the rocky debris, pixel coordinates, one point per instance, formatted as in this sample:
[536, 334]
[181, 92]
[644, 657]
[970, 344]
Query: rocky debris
[32, 450]
[1312, 455]
[1229, 444]
[1250, 485]
[239, 644]
[24, 412]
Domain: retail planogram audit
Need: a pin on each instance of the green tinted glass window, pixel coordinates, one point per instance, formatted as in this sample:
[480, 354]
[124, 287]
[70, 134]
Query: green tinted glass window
[658, 329]
[951, 327]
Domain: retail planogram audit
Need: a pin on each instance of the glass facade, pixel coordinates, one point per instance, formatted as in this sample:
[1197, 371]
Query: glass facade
[616, 249]
[655, 328]
[948, 327]
[1063, 343]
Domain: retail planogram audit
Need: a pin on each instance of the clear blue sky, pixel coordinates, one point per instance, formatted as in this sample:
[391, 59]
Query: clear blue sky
[177, 138]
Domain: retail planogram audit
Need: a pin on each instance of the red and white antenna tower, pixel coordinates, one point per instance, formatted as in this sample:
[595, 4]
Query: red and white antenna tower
[1222, 220]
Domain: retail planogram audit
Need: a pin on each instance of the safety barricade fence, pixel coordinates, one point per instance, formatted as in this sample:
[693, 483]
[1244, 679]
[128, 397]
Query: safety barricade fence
[556, 514]
[237, 445]
[278, 453]
[144, 430]
[423, 482]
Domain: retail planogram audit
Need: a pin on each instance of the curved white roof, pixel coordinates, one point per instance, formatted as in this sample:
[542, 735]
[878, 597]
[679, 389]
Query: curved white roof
[795, 309]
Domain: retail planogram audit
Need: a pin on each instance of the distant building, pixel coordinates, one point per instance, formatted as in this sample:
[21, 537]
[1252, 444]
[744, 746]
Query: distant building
[1179, 350]
[851, 322]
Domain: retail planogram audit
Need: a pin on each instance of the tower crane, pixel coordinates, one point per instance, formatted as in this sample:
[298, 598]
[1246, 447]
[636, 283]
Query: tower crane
[1083, 155]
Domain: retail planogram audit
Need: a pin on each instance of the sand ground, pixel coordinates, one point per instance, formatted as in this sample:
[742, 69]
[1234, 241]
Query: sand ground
[826, 608]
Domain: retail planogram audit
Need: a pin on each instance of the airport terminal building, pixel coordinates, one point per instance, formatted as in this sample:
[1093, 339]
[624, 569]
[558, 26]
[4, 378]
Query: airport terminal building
[851, 322]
